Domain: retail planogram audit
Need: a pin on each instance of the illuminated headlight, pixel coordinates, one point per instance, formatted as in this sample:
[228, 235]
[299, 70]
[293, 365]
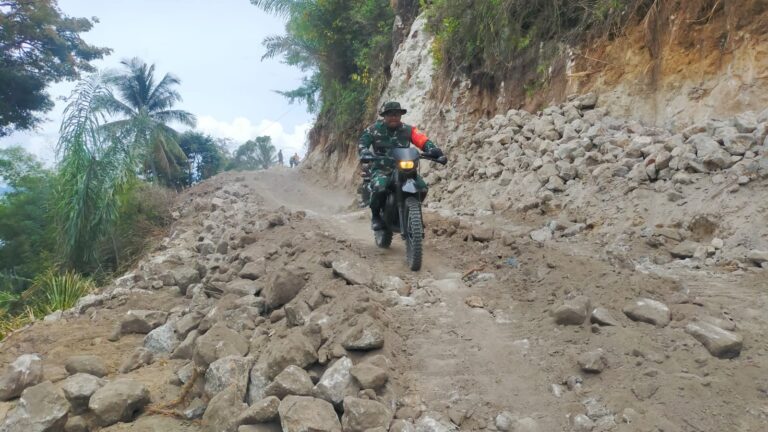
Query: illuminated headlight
[406, 165]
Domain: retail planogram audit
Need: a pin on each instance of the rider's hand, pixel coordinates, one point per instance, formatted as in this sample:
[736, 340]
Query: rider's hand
[435, 153]
[366, 154]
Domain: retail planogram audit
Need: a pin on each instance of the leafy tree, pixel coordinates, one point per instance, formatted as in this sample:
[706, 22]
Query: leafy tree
[39, 45]
[147, 107]
[26, 228]
[254, 154]
[205, 156]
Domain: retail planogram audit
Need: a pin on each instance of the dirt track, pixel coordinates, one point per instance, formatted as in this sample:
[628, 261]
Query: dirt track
[469, 364]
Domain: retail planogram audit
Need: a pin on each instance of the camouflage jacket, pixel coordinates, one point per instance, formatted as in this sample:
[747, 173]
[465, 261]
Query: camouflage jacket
[380, 139]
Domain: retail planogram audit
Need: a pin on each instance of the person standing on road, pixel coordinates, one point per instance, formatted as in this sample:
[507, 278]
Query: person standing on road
[280, 157]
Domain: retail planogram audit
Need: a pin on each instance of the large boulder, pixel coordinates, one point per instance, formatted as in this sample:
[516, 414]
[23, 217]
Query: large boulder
[118, 401]
[291, 381]
[226, 372]
[362, 414]
[306, 414]
[224, 410]
[87, 364]
[142, 321]
[78, 390]
[295, 349]
[41, 408]
[282, 287]
[217, 343]
[25, 371]
[337, 382]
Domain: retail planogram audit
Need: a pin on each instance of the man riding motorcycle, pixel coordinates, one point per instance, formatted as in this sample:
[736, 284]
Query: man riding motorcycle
[382, 136]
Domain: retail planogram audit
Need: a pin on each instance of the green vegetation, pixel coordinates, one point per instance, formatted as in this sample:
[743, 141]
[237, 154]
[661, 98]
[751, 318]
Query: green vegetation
[491, 40]
[39, 45]
[254, 154]
[346, 47]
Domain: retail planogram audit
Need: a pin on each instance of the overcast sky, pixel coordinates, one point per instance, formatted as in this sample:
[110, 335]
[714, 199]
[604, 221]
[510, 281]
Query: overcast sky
[213, 47]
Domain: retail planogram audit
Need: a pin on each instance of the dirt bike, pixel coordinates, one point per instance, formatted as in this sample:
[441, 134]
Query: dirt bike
[401, 212]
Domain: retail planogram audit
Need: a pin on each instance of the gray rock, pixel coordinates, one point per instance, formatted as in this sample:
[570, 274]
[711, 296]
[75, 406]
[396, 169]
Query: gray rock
[402, 426]
[710, 152]
[139, 358]
[648, 311]
[739, 144]
[242, 287]
[337, 382]
[541, 235]
[162, 340]
[185, 276]
[362, 414]
[78, 390]
[262, 411]
[25, 371]
[306, 414]
[482, 233]
[186, 348]
[142, 321]
[586, 101]
[745, 122]
[434, 422]
[224, 411]
[41, 408]
[195, 409]
[369, 376]
[291, 381]
[592, 361]
[758, 256]
[282, 287]
[295, 349]
[686, 249]
[118, 401]
[353, 272]
[257, 384]
[187, 323]
[254, 269]
[365, 336]
[76, 424]
[230, 371]
[297, 313]
[206, 247]
[604, 317]
[582, 423]
[645, 389]
[573, 312]
[219, 342]
[720, 343]
[88, 364]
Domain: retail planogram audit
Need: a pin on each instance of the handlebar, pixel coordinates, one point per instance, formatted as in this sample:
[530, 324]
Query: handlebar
[442, 160]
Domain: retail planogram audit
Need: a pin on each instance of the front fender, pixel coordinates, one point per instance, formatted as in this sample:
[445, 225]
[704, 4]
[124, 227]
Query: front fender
[412, 186]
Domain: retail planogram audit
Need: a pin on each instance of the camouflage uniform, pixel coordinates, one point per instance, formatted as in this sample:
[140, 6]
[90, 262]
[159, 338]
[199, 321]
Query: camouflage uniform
[382, 139]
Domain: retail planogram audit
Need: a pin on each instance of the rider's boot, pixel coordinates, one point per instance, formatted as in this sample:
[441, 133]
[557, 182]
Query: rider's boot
[377, 223]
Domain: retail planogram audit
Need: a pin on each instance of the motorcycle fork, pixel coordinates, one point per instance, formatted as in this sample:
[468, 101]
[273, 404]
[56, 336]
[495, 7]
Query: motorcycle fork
[400, 205]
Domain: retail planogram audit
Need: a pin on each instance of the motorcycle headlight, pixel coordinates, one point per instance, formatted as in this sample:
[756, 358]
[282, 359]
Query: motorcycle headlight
[406, 165]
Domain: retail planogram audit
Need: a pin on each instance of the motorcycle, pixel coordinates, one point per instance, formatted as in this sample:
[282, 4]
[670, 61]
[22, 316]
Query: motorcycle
[401, 212]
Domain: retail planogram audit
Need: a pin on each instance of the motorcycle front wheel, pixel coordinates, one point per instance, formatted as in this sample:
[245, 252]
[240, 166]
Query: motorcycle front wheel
[414, 235]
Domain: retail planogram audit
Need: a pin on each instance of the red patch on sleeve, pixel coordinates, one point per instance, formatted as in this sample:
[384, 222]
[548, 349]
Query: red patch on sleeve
[418, 139]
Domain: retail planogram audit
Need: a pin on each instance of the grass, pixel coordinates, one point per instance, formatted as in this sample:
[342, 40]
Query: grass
[50, 292]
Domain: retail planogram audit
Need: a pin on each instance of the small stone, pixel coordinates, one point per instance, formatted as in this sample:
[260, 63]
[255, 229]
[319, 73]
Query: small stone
[87, 364]
[365, 336]
[337, 382]
[162, 340]
[645, 390]
[142, 321]
[758, 256]
[573, 312]
[76, 424]
[592, 361]
[582, 423]
[282, 287]
[603, 316]
[139, 358]
[352, 272]
[686, 249]
[195, 409]
[474, 302]
[541, 235]
[297, 313]
[649, 311]
[720, 343]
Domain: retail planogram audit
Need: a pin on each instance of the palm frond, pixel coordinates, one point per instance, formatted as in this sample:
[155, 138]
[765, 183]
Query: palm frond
[277, 7]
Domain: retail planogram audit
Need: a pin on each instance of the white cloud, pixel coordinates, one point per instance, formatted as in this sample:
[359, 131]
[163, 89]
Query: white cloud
[241, 129]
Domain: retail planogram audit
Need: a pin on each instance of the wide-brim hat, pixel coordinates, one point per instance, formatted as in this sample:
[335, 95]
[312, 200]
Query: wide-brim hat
[392, 106]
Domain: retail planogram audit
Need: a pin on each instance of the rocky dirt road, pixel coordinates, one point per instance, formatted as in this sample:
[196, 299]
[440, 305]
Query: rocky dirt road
[270, 292]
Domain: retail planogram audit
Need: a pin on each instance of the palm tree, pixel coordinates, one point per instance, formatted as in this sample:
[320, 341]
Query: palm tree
[94, 169]
[265, 152]
[147, 108]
